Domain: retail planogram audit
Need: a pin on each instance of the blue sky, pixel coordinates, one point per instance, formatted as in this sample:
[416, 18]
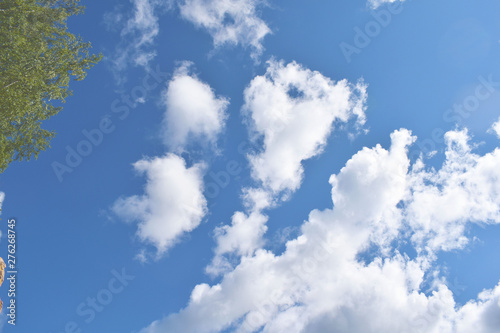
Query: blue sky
[277, 166]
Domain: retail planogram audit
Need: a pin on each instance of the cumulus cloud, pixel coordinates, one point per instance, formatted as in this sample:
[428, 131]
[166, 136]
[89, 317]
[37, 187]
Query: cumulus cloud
[293, 110]
[465, 189]
[242, 238]
[233, 22]
[193, 111]
[172, 203]
[481, 315]
[496, 128]
[320, 281]
[245, 233]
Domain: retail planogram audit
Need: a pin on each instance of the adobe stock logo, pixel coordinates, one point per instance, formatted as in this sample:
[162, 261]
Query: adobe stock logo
[363, 37]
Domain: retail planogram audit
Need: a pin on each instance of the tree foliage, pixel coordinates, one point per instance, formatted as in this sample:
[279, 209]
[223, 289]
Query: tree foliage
[38, 56]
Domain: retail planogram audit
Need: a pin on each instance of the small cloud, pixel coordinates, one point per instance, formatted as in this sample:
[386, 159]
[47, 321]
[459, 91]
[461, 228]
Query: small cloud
[142, 256]
[377, 3]
[193, 111]
[2, 197]
[172, 205]
[113, 19]
[228, 22]
[293, 109]
[495, 128]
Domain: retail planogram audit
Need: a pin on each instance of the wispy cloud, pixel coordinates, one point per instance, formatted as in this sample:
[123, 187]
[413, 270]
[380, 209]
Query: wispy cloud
[139, 29]
[233, 22]
[377, 3]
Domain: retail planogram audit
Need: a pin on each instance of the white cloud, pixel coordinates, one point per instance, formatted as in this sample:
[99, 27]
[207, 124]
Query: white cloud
[2, 197]
[466, 189]
[377, 3]
[144, 22]
[293, 109]
[319, 282]
[245, 234]
[496, 128]
[229, 22]
[138, 33]
[370, 186]
[173, 202]
[233, 22]
[242, 237]
[192, 110]
[483, 315]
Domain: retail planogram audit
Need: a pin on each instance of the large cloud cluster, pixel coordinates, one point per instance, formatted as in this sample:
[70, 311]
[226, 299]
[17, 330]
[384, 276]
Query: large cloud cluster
[320, 281]
[292, 111]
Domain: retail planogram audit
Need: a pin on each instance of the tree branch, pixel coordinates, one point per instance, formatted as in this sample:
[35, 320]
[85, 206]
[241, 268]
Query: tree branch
[11, 84]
